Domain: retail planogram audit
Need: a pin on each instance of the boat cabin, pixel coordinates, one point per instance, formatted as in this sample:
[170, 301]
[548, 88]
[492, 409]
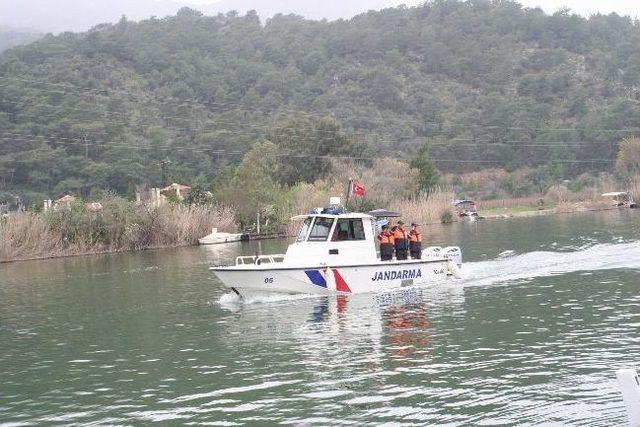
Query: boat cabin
[465, 207]
[334, 238]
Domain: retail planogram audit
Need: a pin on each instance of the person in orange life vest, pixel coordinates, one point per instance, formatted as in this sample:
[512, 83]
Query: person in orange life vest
[415, 242]
[401, 239]
[386, 244]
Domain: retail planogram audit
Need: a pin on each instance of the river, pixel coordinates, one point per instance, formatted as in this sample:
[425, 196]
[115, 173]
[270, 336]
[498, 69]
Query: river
[549, 308]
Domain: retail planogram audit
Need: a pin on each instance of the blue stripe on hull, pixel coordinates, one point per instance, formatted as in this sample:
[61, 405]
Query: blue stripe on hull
[316, 278]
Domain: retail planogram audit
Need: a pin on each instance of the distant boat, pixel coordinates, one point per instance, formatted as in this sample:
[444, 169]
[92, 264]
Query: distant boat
[216, 238]
[621, 199]
[465, 207]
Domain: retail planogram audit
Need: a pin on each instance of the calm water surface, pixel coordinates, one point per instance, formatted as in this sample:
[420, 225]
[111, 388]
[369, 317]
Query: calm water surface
[549, 309]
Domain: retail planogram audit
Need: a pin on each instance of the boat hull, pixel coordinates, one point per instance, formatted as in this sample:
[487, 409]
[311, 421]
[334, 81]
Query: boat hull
[331, 280]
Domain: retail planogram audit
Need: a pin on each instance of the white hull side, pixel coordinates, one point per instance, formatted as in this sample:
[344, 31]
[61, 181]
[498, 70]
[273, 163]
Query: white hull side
[220, 238]
[329, 280]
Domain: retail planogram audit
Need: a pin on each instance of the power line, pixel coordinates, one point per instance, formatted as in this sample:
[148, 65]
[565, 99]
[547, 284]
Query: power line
[57, 140]
[199, 103]
[228, 153]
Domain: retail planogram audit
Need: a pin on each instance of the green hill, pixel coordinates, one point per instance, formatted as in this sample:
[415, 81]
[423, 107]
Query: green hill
[489, 84]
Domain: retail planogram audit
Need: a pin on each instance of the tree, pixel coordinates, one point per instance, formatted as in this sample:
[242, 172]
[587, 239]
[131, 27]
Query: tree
[198, 195]
[252, 188]
[427, 172]
[306, 147]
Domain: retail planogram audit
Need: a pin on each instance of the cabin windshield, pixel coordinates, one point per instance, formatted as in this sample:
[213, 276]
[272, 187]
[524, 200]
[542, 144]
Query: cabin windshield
[320, 230]
[304, 230]
[348, 229]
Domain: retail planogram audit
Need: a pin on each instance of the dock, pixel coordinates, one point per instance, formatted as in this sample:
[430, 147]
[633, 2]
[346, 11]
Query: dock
[264, 236]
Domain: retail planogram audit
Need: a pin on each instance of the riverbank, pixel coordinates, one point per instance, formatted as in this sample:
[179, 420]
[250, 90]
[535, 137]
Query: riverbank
[125, 227]
[532, 211]
[120, 226]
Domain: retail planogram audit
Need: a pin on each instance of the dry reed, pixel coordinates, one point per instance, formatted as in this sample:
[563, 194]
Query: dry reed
[634, 187]
[425, 209]
[121, 226]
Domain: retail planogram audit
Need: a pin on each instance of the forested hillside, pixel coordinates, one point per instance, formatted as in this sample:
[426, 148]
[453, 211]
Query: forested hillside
[489, 85]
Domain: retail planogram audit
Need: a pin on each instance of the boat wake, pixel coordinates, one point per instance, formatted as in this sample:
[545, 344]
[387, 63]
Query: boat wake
[507, 267]
[510, 266]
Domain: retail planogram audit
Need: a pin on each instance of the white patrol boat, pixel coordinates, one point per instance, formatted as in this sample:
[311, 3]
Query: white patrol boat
[336, 252]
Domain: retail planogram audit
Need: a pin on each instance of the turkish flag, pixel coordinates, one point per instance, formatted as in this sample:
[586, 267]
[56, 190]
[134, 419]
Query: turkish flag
[357, 189]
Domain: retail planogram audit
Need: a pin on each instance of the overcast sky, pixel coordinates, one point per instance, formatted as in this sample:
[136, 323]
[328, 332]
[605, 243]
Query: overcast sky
[589, 7]
[583, 7]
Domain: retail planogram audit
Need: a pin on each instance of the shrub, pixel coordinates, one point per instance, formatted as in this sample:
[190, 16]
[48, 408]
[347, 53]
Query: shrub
[446, 217]
[557, 194]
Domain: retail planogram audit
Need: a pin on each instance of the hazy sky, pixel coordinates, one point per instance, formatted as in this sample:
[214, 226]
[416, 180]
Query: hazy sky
[583, 7]
[589, 7]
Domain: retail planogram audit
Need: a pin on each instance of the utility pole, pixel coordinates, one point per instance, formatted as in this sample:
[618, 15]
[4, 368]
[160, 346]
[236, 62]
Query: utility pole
[86, 146]
[163, 167]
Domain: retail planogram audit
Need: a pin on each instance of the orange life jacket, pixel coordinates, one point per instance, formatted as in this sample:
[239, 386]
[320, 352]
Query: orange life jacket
[415, 236]
[399, 233]
[386, 237]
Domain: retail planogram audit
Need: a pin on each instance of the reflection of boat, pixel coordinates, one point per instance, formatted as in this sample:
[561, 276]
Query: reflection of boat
[621, 199]
[216, 238]
[407, 328]
[335, 252]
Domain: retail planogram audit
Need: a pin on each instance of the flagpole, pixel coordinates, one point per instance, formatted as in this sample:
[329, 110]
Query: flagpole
[346, 204]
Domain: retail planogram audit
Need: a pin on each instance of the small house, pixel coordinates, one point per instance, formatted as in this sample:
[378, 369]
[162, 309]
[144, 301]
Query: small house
[178, 190]
[64, 202]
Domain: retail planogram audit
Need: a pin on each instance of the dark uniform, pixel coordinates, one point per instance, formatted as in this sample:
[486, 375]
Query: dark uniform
[415, 242]
[386, 244]
[401, 241]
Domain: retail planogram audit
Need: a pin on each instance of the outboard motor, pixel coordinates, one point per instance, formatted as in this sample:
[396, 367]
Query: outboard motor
[432, 252]
[454, 254]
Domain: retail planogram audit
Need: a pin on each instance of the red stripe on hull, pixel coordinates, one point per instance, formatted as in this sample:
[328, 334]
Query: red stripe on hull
[341, 285]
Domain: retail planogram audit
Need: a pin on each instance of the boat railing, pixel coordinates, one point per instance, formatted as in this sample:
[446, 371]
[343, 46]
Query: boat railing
[260, 259]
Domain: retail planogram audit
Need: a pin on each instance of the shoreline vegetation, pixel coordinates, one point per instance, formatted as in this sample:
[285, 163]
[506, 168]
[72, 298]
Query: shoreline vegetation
[125, 226]
[120, 226]
[264, 188]
[257, 189]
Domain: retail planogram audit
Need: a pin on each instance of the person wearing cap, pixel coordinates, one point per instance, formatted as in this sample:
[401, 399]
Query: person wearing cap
[386, 244]
[415, 241]
[401, 239]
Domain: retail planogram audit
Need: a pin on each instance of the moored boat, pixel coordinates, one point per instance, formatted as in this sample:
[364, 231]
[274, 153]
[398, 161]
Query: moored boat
[335, 252]
[216, 238]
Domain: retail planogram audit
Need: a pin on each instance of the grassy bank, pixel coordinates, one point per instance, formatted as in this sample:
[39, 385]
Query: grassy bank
[120, 226]
[514, 211]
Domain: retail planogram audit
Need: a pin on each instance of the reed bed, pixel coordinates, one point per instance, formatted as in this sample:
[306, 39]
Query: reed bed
[634, 188]
[120, 226]
[426, 209]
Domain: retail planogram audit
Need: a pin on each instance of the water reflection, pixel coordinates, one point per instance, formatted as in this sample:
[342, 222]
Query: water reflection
[407, 329]
[397, 321]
